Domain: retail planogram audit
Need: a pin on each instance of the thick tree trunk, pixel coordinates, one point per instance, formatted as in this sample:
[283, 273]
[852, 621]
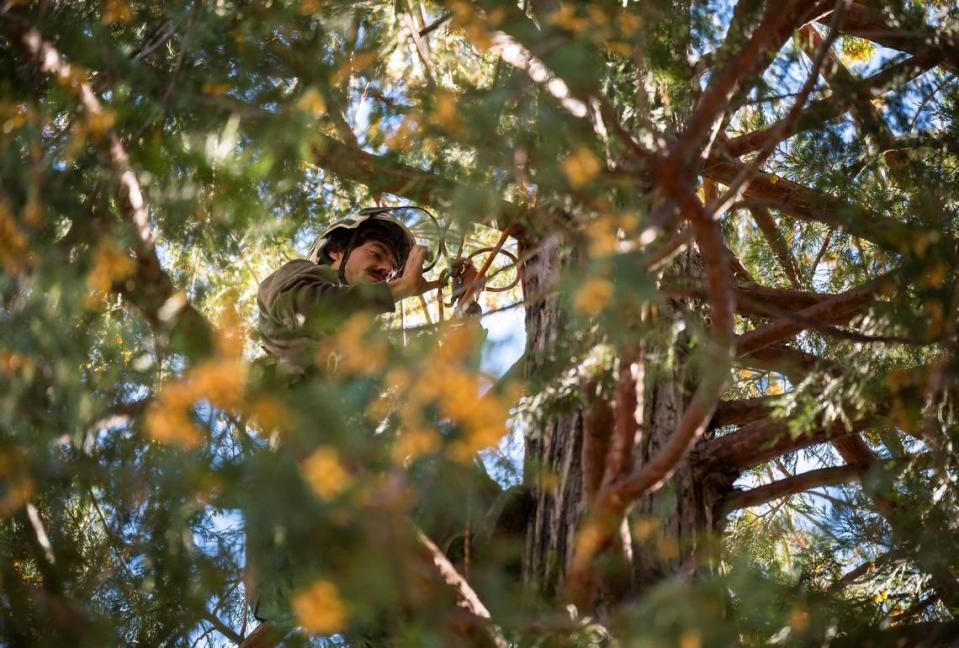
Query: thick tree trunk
[671, 528]
[553, 466]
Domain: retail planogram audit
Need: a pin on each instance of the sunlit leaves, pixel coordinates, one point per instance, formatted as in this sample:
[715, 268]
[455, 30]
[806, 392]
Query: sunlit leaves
[325, 474]
[320, 609]
[581, 167]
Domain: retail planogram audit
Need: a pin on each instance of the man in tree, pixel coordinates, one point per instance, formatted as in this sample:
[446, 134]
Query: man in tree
[366, 262]
[362, 264]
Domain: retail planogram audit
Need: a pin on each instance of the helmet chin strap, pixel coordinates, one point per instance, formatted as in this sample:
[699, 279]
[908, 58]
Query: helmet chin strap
[341, 272]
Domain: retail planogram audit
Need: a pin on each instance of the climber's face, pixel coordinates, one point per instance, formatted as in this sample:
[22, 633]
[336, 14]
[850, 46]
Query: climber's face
[370, 262]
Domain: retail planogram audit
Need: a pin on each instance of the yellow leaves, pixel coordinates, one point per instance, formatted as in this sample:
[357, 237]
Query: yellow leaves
[606, 230]
[220, 380]
[13, 243]
[15, 484]
[230, 336]
[629, 23]
[324, 473]
[13, 362]
[99, 122]
[935, 276]
[415, 443]
[453, 388]
[775, 386]
[359, 346]
[856, 50]
[690, 639]
[581, 167]
[645, 527]
[798, 619]
[566, 18]
[602, 236]
[309, 7]
[215, 89]
[619, 47]
[319, 608]
[32, 211]
[116, 11]
[168, 420]
[465, 17]
[312, 102]
[402, 137]
[111, 265]
[269, 414]
[592, 295]
[358, 62]
[444, 111]
[14, 115]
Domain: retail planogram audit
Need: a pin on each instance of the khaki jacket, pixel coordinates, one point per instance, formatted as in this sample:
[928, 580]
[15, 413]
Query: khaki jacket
[302, 302]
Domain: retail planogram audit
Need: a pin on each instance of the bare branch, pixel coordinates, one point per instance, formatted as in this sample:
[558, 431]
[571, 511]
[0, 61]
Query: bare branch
[808, 204]
[466, 596]
[831, 107]
[630, 379]
[790, 486]
[761, 441]
[597, 423]
[743, 411]
[778, 22]
[777, 243]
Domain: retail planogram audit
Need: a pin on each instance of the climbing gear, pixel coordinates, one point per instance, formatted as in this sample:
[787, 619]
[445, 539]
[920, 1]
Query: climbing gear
[468, 283]
[408, 225]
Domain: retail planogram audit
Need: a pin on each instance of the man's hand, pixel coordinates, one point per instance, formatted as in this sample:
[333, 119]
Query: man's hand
[411, 282]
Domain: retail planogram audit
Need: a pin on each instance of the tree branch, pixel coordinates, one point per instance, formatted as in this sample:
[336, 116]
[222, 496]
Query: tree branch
[866, 23]
[821, 111]
[381, 174]
[807, 204]
[839, 308]
[761, 441]
[743, 411]
[790, 486]
[777, 243]
[778, 22]
[150, 288]
[628, 412]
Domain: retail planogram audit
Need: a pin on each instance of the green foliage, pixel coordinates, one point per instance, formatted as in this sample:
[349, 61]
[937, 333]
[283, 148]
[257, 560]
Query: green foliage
[157, 477]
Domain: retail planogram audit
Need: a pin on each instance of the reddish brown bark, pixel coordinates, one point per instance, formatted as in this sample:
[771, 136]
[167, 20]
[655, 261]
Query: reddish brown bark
[778, 22]
[741, 412]
[761, 441]
[807, 204]
[777, 243]
[819, 112]
[791, 486]
[839, 308]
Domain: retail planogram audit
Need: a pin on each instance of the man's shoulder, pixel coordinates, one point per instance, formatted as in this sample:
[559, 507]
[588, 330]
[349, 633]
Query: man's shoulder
[303, 268]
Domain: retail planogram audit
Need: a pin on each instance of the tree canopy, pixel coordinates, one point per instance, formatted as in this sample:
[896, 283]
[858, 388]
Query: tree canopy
[728, 228]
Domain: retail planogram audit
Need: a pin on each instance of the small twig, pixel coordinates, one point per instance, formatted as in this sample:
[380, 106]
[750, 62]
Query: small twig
[420, 48]
[436, 24]
[42, 538]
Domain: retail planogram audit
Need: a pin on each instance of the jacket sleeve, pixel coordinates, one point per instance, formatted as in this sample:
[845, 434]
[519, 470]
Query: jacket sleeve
[304, 294]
